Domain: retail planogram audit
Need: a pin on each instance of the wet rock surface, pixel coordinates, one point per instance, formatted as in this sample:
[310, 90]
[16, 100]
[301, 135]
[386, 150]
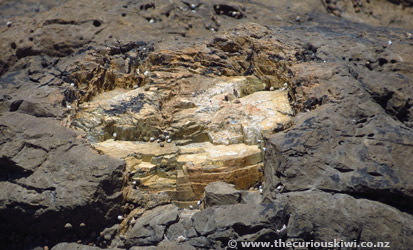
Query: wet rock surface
[118, 119]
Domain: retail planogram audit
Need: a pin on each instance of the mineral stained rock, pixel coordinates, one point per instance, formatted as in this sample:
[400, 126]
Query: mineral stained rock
[183, 125]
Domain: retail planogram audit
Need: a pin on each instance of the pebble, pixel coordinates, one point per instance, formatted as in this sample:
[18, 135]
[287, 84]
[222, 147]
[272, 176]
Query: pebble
[279, 187]
[181, 239]
[68, 106]
[258, 141]
[8, 24]
[82, 224]
[134, 183]
[158, 141]
[46, 248]
[151, 20]
[234, 13]
[161, 145]
[272, 89]
[152, 139]
[68, 225]
[191, 207]
[199, 202]
[169, 141]
[264, 149]
[115, 135]
[72, 84]
[146, 73]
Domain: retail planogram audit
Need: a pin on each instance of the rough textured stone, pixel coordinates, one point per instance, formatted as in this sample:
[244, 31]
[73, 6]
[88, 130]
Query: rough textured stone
[74, 246]
[50, 178]
[221, 193]
[327, 83]
[150, 228]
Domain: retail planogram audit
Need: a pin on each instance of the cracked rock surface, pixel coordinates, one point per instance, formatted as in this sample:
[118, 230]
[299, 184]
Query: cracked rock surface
[185, 124]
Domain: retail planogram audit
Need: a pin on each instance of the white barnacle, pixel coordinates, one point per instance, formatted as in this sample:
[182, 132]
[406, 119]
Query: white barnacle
[282, 229]
[181, 239]
[120, 217]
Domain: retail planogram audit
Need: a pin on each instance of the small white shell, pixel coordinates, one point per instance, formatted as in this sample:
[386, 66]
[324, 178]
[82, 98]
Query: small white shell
[169, 141]
[191, 207]
[8, 24]
[272, 89]
[199, 202]
[181, 238]
[120, 217]
[152, 139]
[115, 135]
[390, 42]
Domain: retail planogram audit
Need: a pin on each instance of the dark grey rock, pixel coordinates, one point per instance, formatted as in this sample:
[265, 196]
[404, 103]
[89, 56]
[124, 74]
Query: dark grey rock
[150, 228]
[49, 178]
[74, 246]
[221, 193]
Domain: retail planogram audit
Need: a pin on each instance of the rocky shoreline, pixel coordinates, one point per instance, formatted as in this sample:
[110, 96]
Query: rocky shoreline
[184, 125]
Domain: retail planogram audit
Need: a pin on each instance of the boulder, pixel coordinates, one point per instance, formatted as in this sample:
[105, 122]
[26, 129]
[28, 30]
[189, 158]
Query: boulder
[50, 178]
